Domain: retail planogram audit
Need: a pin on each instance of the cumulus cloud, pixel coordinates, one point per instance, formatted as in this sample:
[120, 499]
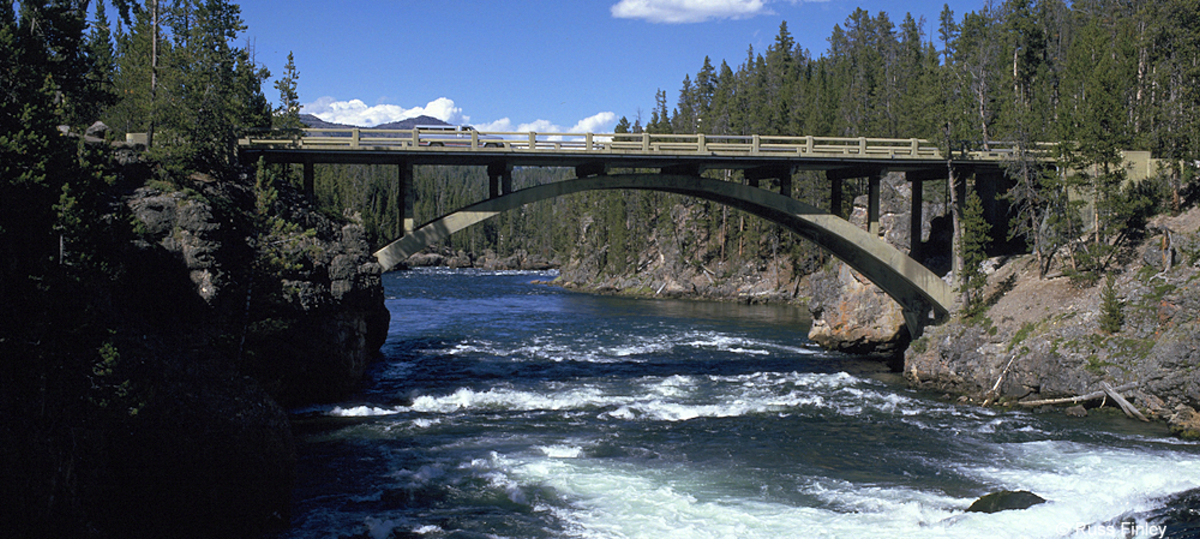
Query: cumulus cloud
[688, 11]
[503, 124]
[355, 112]
[597, 123]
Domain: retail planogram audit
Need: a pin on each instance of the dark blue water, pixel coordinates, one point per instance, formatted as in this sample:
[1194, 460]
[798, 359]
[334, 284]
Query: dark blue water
[510, 409]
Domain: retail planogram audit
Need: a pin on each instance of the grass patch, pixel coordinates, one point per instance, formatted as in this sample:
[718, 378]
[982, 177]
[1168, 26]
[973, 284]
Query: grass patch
[1095, 366]
[1021, 335]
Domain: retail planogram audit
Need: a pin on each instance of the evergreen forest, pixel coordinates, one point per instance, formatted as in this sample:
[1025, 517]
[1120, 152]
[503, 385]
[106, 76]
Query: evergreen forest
[1094, 77]
[1091, 77]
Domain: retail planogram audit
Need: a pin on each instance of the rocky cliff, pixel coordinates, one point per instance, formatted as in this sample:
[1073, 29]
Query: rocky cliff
[306, 328]
[217, 311]
[1042, 338]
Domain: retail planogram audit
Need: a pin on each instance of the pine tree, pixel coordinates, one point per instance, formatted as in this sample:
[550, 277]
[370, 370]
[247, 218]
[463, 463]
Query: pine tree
[287, 115]
[1112, 308]
[212, 89]
[972, 248]
[102, 68]
[622, 126]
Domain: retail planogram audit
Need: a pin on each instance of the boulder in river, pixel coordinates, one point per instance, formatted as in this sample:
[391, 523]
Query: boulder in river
[1005, 500]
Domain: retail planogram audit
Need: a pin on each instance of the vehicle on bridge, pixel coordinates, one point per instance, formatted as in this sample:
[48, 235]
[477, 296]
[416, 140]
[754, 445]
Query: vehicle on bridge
[454, 135]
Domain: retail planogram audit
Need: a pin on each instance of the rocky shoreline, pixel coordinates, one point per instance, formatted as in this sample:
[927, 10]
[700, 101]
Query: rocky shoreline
[1041, 338]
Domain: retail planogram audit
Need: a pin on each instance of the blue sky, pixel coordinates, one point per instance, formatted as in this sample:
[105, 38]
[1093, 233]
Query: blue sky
[520, 65]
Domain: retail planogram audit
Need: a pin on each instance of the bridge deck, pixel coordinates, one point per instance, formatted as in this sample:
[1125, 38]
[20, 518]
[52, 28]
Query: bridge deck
[421, 146]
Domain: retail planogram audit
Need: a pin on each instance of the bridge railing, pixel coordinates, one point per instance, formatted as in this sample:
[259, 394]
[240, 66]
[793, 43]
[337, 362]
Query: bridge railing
[626, 143]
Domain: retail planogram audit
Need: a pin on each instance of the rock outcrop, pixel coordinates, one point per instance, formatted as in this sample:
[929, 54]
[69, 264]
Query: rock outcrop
[1041, 338]
[220, 318]
[852, 315]
[849, 313]
[1005, 500]
[309, 329]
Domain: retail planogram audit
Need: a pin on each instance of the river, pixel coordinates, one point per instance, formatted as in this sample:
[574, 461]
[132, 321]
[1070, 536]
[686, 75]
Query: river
[503, 408]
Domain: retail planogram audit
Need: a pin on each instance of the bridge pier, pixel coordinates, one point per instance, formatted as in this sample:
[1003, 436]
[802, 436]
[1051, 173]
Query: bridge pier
[916, 180]
[499, 179]
[873, 175]
[915, 219]
[405, 197]
[781, 173]
[873, 225]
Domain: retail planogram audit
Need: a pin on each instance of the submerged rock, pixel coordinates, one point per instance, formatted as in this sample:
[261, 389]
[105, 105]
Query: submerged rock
[1005, 500]
[1076, 411]
[1185, 423]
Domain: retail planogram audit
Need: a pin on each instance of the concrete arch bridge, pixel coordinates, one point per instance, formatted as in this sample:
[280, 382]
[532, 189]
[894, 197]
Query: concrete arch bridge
[680, 159]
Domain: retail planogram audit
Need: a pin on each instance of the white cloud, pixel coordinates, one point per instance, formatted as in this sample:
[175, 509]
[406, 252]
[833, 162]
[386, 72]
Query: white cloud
[688, 11]
[355, 112]
[503, 124]
[597, 123]
[541, 126]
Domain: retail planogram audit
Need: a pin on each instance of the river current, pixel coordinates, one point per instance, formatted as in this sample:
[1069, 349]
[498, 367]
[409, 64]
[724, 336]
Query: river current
[509, 409]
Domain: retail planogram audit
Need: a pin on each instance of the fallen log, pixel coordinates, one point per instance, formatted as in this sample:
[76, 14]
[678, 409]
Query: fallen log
[1124, 404]
[1082, 398]
[991, 395]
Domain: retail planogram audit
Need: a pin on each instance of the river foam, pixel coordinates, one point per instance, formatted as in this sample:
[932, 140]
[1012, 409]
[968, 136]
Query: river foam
[509, 410]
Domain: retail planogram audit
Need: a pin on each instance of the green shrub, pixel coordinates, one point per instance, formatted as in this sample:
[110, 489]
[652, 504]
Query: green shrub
[1112, 308]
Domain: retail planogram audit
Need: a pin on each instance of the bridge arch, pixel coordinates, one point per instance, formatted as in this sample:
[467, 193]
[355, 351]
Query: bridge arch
[917, 290]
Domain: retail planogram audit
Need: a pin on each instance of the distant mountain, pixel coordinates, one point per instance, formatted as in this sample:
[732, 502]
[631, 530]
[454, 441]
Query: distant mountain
[412, 122]
[312, 121]
[317, 123]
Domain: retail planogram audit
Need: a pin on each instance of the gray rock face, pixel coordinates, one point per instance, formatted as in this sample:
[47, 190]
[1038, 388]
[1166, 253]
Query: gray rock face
[852, 315]
[327, 312]
[224, 337]
[1042, 338]
[186, 227]
[849, 313]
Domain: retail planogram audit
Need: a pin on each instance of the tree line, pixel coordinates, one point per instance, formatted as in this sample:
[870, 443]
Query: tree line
[1094, 77]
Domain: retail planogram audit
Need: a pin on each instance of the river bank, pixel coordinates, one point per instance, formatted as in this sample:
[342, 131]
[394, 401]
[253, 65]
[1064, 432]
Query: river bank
[1041, 338]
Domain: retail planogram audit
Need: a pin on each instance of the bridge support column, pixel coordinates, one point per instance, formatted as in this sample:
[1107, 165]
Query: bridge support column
[783, 174]
[873, 204]
[835, 196]
[916, 220]
[309, 179]
[405, 196]
[916, 316]
[836, 176]
[499, 180]
[916, 181]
